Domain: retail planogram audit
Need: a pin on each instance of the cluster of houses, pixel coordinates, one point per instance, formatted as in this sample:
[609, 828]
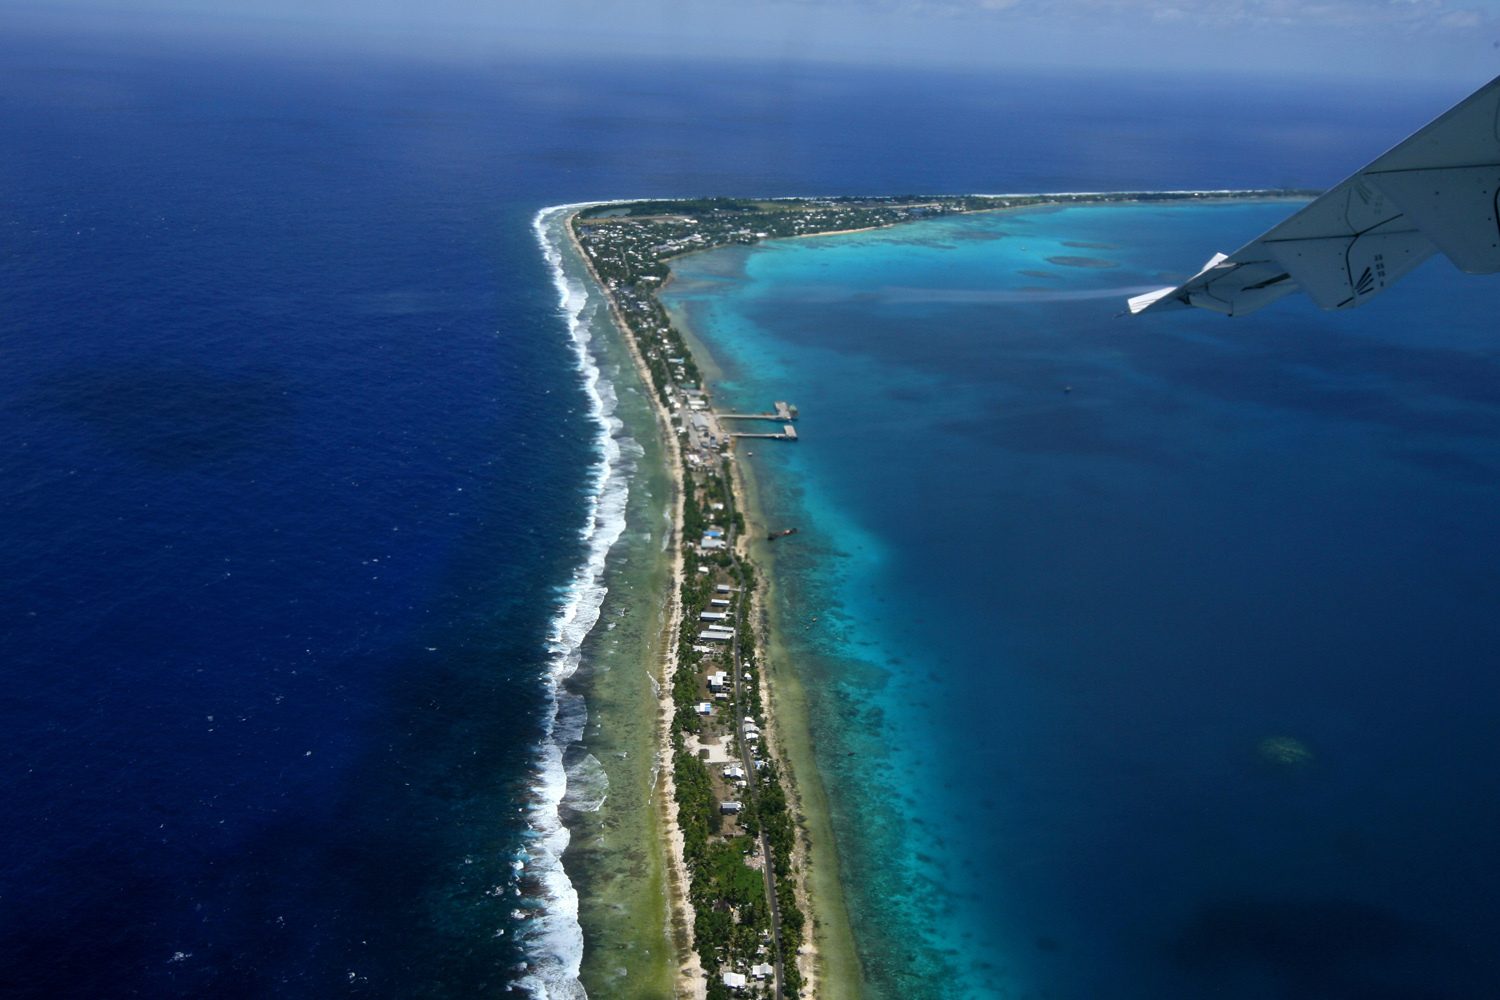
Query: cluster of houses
[716, 616]
[738, 980]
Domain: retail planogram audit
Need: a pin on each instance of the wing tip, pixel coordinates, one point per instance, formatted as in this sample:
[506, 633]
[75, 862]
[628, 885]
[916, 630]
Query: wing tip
[1140, 303]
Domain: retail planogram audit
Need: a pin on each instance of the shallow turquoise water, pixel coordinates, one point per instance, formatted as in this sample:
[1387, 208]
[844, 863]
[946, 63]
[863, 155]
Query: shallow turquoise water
[1056, 629]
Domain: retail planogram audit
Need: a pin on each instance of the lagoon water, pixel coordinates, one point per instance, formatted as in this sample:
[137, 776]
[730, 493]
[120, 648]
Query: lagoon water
[1145, 657]
[300, 456]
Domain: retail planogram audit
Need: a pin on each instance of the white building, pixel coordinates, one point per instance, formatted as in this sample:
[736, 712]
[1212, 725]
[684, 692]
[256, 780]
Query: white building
[762, 971]
[735, 980]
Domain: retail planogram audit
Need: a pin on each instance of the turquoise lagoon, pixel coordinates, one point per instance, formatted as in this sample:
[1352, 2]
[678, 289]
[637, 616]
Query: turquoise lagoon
[1144, 657]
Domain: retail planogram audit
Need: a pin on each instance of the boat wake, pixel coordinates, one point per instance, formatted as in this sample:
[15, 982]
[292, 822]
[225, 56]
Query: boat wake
[567, 776]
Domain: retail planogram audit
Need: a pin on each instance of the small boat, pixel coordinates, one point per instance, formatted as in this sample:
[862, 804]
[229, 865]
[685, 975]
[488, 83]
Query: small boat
[780, 534]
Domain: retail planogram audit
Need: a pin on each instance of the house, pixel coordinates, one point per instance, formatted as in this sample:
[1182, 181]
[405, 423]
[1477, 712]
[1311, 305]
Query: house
[718, 602]
[762, 971]
[713, 616]
[710, 542]
[716, 679]
[703, 708]
[734, 772]
[730, 807]
[716, 506]
[716, 635]
[724, 588]
[735, 980]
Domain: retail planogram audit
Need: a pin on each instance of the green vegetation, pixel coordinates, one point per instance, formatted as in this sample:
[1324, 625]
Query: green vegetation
[698, 809]
[733, 925]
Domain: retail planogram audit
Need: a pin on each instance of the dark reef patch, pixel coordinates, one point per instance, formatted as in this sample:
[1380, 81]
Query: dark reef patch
[1081, 262]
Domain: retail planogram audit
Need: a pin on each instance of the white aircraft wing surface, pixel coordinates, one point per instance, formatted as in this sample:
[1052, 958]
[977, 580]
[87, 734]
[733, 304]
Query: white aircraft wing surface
[1434, 193]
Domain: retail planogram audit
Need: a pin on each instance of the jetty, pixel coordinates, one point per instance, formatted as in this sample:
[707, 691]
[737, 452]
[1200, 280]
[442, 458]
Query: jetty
[788, 433]
[784, 413]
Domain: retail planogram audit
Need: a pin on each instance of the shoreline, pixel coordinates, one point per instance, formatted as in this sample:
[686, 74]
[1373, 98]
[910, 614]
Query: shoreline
[828, 962]
[688, 981]
[831, 962]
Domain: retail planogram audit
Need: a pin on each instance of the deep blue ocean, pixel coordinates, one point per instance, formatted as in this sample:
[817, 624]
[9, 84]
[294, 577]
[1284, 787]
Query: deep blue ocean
[297, 454]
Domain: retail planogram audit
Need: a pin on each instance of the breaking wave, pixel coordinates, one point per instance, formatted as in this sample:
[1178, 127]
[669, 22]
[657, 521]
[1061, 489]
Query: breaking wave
[572, 779]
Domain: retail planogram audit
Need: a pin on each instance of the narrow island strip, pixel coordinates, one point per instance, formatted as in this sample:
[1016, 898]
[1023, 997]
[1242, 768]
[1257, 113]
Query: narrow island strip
[746, 919]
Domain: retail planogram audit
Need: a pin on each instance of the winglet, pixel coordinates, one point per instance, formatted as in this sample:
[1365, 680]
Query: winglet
[1434, 192]
[1140, 303]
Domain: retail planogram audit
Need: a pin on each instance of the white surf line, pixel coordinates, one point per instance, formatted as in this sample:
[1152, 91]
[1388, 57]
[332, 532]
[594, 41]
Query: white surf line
[553, 937]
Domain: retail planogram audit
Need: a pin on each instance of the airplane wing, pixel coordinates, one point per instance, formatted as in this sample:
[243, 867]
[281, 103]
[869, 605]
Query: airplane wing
[1434, 193]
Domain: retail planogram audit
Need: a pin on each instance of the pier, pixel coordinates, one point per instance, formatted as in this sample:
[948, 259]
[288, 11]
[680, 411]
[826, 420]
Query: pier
[785, 412]
[788, 433]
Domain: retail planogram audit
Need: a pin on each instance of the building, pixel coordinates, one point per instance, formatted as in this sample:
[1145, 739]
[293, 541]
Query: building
[713, 616]
[724, 588]
[735, 980]
[762, 971]
[703, 708]
[730, 807]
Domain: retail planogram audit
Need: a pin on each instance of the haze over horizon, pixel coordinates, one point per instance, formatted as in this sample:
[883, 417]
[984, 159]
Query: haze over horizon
[1437, 40]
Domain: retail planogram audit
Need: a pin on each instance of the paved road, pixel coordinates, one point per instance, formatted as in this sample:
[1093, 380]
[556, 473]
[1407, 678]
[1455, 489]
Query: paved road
[751, 775]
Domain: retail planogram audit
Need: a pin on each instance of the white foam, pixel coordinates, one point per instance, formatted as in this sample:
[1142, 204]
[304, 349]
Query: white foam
[552, 935]
[588, 785]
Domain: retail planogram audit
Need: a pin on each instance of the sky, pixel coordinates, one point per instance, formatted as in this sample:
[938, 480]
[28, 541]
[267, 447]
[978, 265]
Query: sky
[1449, 40]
